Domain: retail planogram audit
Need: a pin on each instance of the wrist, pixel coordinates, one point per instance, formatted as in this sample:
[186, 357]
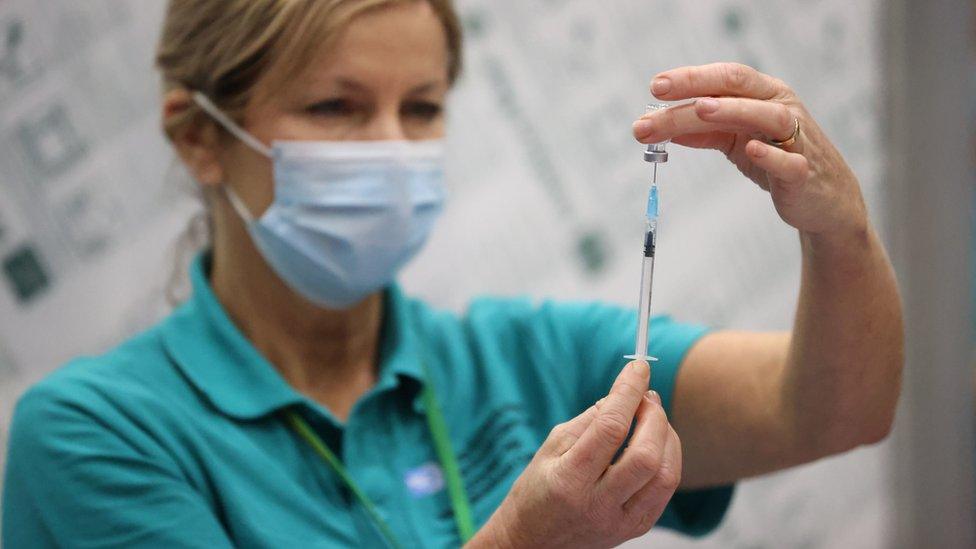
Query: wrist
[841, 244]
[491, 535]
[841, 258]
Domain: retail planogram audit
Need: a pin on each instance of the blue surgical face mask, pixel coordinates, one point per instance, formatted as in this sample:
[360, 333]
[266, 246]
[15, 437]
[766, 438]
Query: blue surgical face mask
[346, 215]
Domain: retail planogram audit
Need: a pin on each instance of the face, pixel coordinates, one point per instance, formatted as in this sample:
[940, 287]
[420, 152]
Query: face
[364, 87]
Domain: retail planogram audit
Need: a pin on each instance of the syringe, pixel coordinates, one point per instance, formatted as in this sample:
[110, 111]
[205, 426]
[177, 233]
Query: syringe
[655, 153]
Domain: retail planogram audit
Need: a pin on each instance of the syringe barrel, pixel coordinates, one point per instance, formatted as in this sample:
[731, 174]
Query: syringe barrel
[644, 307]
[650, 238]
[650, 222]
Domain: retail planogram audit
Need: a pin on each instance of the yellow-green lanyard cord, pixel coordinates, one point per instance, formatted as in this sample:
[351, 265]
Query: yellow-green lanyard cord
[445, 454]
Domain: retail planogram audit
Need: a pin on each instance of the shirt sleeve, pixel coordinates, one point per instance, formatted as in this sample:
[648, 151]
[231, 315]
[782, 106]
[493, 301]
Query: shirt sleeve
[599, 336]
[75, 478]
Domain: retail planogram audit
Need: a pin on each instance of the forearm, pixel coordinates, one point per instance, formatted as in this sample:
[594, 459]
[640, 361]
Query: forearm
[843, 372]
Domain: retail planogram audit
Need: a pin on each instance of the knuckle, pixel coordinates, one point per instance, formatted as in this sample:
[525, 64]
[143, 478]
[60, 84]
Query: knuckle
[639, 511]
[558, 431]
[645, 459]
[612, 428]
[557, 437]
[645, 521]
[637, 521]
[668, 478]
[783, 86]
[669, 120]
[736, 76]
[628, 390]
[802, 169]
[785, 119]
[742, 112]
[693, 77]
[573, 468]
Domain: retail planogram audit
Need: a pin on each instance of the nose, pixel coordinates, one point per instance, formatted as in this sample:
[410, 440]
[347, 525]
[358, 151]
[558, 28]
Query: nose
[385, 124]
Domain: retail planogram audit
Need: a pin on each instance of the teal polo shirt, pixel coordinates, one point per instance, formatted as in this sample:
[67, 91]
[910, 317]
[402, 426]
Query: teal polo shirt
[176, 438]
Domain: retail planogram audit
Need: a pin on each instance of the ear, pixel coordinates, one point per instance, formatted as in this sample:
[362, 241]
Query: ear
[196, 139]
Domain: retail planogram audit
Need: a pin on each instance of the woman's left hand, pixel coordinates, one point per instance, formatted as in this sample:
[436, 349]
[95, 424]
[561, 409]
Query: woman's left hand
[738, 112]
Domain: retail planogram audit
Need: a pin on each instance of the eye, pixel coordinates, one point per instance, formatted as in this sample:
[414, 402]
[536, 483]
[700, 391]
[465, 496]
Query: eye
[426, 110]
[332, 107]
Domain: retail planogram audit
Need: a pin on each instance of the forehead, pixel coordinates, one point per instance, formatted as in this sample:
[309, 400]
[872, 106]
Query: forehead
[402, 44]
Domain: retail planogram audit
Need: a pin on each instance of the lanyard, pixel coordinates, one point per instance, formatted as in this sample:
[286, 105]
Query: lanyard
[445, 454]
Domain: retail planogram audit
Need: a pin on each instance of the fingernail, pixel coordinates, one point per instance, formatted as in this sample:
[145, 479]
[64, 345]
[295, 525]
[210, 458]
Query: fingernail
[643, 127]
[708, 104]
[758, 149]
[652, 394]
[641, 366]
[661, 85]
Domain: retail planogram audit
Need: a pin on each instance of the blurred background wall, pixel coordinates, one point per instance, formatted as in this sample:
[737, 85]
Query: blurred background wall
[546, 183]
[929, 49]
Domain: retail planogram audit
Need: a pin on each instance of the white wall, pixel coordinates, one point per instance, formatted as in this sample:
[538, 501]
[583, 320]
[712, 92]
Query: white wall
[547, 189]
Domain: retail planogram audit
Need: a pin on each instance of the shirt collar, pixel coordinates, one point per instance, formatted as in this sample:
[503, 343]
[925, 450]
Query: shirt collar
[399, 349]
[233, 375]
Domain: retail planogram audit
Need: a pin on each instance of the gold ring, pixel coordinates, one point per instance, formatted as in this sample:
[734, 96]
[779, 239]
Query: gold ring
[789, 140]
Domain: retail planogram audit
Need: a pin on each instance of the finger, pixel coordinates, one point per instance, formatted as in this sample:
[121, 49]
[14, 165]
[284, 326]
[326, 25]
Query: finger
[676, 122]
[719, 141]
[563, 436]
[663, 124]
[591, 454]
[709, 114]
[716, 79]
[651, 499]
[642, 459]
[772, 119]
[790, 168]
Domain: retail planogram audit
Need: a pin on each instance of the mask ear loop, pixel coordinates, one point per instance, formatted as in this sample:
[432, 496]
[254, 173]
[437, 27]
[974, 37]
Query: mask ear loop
[235, 201]
[204, 102]
[238, 205]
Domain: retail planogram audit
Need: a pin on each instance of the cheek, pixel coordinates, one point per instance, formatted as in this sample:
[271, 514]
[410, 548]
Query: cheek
[250, 175]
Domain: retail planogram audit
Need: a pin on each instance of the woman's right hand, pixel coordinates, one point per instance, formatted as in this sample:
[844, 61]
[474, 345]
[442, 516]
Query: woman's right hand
[571, 494]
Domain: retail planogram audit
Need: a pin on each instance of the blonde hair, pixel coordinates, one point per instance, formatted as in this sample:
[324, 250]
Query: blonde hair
[223, 47]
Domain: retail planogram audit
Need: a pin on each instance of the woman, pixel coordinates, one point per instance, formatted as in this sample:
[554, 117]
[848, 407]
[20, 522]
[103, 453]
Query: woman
[299, 399]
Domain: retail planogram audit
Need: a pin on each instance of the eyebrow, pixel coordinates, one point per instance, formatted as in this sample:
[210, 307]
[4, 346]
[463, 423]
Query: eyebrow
[416, 90]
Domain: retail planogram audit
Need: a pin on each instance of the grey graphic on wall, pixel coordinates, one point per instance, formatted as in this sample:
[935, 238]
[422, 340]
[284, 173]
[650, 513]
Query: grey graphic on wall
[51, 143]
